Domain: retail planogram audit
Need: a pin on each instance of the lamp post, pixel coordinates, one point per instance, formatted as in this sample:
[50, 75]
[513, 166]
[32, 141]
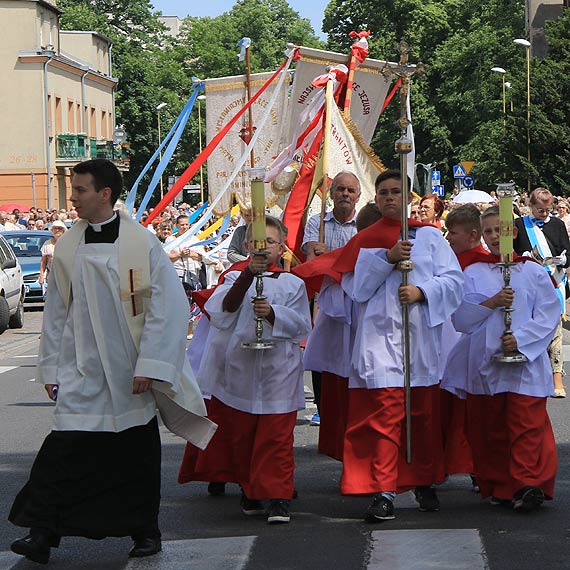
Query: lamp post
[200, 99]
[502, 72]
[526, 44]
[158, 108]
[509, 85]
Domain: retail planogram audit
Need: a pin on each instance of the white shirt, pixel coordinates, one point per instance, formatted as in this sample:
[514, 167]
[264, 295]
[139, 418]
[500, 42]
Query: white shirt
[377, 357]
[536, 315]
[258, 381]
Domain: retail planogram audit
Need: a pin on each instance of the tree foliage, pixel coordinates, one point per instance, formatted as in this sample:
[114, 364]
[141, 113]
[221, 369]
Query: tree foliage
[153, 68]
[457, 106]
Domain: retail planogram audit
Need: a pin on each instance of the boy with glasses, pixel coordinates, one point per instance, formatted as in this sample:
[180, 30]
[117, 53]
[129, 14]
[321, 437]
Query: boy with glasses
[255, 394]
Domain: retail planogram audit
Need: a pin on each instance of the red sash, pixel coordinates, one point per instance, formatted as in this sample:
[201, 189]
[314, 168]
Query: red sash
[382, 234]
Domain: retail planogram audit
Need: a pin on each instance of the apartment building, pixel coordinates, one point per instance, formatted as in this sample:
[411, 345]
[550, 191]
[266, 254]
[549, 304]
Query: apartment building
[56, 103]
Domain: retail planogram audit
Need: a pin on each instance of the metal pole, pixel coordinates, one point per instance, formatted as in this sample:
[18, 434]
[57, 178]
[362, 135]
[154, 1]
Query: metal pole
[34, 188]
[200, 143]
[160, 156]
[504, 102]
[528, 111]
[250, 110]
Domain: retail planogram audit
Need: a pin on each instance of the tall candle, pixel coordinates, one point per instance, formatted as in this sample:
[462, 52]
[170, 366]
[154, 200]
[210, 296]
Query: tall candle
[258, 210]
[506, 228]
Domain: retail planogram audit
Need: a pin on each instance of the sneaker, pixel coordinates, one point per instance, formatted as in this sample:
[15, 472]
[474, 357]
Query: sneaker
[278, 511]
[427, 499]
[528, 499]
[380, 509]
[496, 502]
[251, 507]
[316, 419]
[216, 489]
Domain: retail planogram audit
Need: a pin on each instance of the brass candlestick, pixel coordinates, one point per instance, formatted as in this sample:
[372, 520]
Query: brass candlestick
[259, 241]
[505, 192]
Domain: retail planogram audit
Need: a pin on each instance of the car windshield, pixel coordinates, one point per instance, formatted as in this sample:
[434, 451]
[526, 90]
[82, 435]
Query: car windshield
[27, 245]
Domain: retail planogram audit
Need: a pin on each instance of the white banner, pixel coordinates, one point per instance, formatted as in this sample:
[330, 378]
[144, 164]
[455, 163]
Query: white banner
[369, 90]
[348, 152]
[225, 96]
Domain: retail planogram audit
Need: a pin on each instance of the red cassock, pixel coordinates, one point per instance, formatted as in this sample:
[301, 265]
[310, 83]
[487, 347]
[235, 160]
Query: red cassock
[512, 442]
[334, 414]
[254, 450]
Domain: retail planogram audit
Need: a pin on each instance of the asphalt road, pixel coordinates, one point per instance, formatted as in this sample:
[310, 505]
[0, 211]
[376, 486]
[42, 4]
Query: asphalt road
[326, 531]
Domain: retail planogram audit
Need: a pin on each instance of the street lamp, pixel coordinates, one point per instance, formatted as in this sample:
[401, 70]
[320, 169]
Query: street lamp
[526, 44]
[509, 85]
[158, 108]
[200, 99]
[502, 72]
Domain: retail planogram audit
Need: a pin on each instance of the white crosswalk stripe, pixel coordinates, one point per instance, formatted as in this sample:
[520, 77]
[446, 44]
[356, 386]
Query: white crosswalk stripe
[6, 368]
[8, 560]
[436, 549]
[227, 553]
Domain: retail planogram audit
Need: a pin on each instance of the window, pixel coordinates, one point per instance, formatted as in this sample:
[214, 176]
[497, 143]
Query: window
[71, 117]
[58, 120]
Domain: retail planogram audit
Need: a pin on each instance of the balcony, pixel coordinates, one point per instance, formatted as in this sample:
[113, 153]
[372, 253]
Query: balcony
[71, 149]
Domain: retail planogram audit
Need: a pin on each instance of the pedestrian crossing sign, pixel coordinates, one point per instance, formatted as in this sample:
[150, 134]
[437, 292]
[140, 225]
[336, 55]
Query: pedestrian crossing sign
[459, 171]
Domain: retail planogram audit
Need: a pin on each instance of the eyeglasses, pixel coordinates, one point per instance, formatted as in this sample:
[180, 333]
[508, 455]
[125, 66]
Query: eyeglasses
[271, 242]
[426, 207]
[541, 210]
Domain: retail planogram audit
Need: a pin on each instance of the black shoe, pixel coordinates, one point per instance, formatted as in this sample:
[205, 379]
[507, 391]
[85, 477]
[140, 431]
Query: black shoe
[427, 499]
[216, 489]
[278, 511]
[528, 499]
[35, 547]
[380, 509]
[251, 507]
[496, 502]
[476, 488]
[145, 547]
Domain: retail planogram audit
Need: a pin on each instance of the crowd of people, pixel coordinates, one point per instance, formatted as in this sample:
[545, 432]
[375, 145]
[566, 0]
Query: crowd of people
[478, 391]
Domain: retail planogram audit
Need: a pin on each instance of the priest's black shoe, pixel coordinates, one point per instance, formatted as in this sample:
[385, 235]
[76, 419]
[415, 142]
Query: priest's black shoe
[35, 547]
[145, 547]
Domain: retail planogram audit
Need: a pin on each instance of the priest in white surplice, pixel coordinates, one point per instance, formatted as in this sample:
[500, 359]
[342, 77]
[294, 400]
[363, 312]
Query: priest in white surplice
[112, 350]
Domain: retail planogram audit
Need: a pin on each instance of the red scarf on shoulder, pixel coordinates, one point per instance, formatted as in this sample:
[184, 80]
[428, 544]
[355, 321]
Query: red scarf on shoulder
[382, 234]
[201, 297]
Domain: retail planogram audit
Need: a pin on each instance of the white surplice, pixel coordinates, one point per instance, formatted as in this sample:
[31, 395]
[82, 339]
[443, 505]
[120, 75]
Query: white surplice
[329, 345]
[90, 352]
[258, 381]
[377, 357]
[536, 315]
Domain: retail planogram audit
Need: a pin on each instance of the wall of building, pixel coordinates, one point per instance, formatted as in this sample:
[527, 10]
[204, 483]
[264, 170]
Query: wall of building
[538, 13]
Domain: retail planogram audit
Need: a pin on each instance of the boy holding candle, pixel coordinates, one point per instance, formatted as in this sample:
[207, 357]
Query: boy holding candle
[255, 393]
[509, 431]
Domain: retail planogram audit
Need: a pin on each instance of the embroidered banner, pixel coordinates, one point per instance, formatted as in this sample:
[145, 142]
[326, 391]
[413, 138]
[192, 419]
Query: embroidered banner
[225, 96]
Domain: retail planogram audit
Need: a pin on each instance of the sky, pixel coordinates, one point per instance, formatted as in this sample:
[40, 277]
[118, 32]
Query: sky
[311, 9]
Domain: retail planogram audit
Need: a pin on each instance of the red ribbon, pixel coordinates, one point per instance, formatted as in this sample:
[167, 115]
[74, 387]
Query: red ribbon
[203, 156]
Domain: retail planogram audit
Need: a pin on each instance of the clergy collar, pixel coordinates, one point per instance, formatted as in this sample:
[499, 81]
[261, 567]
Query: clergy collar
[99, 227]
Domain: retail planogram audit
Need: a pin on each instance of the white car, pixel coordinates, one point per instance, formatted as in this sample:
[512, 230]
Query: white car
[12, 290]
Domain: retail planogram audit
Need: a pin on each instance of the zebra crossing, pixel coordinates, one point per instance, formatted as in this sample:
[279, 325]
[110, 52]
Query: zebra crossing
[388, 550]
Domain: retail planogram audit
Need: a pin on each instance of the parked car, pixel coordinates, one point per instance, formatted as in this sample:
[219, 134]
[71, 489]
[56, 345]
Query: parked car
[11, 289]
[27, 245]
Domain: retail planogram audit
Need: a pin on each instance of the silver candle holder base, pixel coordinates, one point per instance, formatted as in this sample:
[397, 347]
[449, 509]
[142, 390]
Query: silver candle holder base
[259, 343]
[515, 357]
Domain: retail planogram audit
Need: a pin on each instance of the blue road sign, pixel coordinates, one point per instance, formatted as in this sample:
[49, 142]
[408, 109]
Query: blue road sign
[468, 181]
[435, 176]
[438, 189]
[459, 171]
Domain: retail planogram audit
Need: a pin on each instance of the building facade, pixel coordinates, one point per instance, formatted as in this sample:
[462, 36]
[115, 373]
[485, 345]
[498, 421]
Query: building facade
[56, 103]
[538, 12]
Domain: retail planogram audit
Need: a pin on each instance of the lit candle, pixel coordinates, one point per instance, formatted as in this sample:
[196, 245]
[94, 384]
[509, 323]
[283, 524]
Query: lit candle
[506, 228]
[258, 210]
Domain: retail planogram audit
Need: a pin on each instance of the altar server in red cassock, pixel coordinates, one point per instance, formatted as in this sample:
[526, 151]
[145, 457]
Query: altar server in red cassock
[511, 437]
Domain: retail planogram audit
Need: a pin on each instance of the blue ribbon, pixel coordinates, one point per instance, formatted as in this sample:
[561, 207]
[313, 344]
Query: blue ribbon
[175, 133]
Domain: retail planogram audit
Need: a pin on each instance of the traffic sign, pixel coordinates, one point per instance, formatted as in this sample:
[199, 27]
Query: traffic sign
[438, 189]
[459, 171]
[435, 176]
[467, 165]
[468, 182]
